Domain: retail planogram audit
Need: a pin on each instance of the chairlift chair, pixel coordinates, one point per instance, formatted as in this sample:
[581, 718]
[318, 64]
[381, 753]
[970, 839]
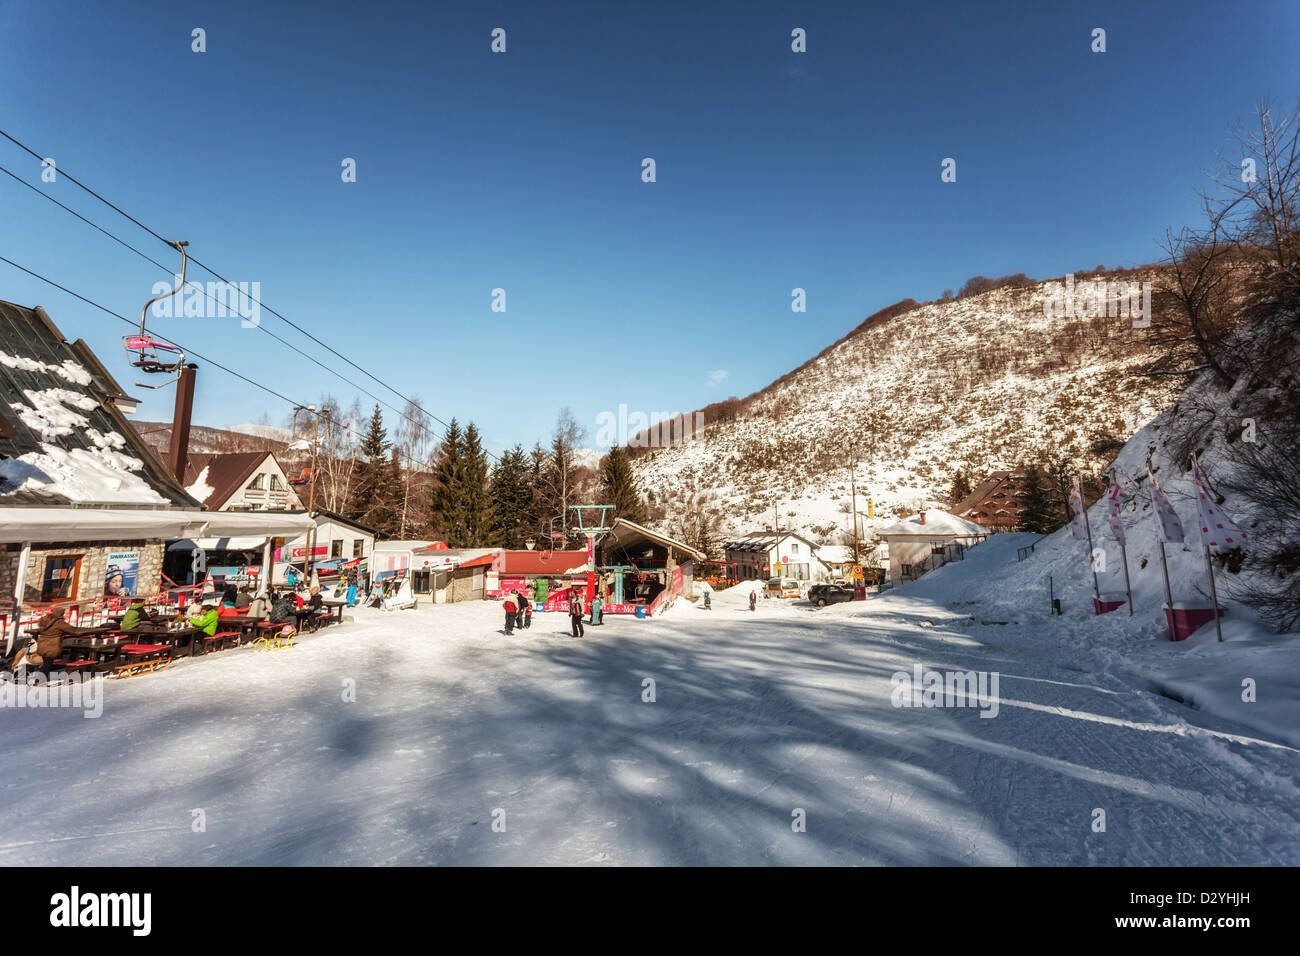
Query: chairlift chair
[150, 355]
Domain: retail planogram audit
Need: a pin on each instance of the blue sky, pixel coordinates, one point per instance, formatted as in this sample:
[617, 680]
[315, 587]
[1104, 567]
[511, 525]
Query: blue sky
[522, 171]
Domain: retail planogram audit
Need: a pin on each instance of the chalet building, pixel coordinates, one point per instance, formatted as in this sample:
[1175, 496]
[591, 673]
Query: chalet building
[996, 502]
[639, 566]
[240, 481]
[928, 540]
[86, 505]
[757, 553]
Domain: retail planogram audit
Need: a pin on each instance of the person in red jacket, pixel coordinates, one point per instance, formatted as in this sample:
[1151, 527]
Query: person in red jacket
[511, 607]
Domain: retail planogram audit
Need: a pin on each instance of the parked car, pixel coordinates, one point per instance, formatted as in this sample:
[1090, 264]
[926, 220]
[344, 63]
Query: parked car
[823, 594]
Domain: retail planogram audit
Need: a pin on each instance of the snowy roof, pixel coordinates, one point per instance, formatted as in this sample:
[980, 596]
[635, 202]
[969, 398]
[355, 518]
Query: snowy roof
[623, 532]
[63, 437]
[405, 545]
[836, 553]
[763, 540]
[937, 524]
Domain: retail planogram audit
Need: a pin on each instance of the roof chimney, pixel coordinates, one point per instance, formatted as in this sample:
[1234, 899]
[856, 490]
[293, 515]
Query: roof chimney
[179, 449]
[922, 514]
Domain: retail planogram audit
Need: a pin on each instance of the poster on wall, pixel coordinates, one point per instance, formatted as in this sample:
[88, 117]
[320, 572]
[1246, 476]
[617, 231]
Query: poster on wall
[121, 573]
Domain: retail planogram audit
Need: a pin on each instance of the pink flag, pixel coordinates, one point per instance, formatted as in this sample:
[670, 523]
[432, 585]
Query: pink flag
[1168, 527]
[1116, 525]
[1217, 529]
[1077, 529]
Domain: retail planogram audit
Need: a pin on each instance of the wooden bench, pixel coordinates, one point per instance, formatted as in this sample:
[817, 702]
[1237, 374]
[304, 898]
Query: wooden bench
[220, 641]
[136, 659]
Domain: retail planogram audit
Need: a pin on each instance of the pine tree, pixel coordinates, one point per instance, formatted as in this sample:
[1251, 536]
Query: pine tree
[373, 498]
[961, 487]
[618, 486]
[511, 491]
[1038, 512]
[385, 514]
[476, 503]
[447, 504]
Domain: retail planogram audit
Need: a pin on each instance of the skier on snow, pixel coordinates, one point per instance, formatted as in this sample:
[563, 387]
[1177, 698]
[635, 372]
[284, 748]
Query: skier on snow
[575, 612]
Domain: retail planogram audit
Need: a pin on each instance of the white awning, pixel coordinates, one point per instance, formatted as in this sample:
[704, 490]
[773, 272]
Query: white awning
[40, 525]
[247, 543]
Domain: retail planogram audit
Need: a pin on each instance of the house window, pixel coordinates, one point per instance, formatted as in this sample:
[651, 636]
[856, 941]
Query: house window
[336, 548]
[61, 577]
[256, 483]
[794, 548]
[275, 483]
[907, 571]
[356, 547]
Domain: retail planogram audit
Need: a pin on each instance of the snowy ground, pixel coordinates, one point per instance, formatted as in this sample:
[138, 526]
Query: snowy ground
[756, 715]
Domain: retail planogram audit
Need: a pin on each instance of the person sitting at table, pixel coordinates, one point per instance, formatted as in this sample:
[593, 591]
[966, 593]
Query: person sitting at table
[207, 621]
[259, 609]
[51, 630]
[136, 615]
[229, 597]
[281, 610]
[244, 598]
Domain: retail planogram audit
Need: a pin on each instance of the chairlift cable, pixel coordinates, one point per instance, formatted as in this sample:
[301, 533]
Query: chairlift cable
[278, 315]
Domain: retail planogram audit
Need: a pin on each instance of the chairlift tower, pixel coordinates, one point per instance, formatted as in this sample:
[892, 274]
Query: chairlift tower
[591, 531]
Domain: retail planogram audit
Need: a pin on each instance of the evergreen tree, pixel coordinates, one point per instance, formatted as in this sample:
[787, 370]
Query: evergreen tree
[618, 486]
[1038, 511]
[374, 497]
[511, 490]
[447, 504]
[476, 503]
[961, 487]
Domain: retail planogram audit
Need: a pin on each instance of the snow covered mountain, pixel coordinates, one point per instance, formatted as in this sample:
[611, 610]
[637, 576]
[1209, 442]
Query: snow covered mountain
[976, 384]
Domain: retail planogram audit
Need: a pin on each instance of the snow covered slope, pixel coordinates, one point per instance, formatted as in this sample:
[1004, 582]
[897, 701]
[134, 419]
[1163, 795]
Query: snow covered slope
[977, 384]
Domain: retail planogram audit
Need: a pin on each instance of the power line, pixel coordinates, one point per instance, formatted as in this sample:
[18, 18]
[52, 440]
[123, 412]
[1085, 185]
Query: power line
[191, 283]
[188, 351]
[213, 272]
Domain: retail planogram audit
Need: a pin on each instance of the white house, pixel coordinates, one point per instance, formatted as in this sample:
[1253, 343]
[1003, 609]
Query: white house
[926, 541]
[337, 544]
[240, 481]
[757, 554]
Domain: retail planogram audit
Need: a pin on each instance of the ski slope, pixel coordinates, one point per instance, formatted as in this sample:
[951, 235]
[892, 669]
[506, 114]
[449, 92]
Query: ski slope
[756, 715]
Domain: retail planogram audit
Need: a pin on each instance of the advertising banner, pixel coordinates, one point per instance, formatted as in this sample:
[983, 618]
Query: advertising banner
[121, 572]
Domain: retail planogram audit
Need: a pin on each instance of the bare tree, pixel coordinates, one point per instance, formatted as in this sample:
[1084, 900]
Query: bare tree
[1261, 194]
[1195, 303]
[413, 446]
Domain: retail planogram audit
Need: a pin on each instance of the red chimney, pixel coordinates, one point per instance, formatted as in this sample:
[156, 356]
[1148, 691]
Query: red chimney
[922, 517]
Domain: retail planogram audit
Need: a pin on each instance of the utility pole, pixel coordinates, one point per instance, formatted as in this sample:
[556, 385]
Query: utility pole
[776, 543]
[307, 561]
[853, 486]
